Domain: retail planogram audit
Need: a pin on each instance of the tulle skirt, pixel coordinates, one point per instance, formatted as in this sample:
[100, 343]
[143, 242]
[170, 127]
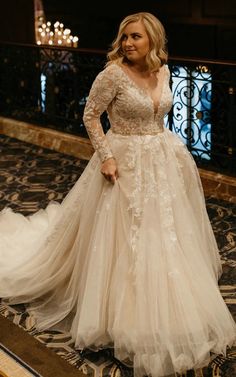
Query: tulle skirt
[132, 265]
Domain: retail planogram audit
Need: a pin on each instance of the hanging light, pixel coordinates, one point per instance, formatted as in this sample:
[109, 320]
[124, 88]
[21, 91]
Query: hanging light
[55, 35]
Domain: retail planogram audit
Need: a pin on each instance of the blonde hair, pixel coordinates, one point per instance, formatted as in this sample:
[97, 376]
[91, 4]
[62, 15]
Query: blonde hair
[157, 56]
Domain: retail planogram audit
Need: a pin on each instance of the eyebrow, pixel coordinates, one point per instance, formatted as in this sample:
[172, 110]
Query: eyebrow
[134, 33]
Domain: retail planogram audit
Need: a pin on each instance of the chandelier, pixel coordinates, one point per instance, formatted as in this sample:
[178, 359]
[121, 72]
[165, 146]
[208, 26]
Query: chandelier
[48, 34]
[55, 35]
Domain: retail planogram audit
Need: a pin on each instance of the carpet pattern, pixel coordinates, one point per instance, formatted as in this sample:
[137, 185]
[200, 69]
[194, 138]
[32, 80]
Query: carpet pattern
[31, 176]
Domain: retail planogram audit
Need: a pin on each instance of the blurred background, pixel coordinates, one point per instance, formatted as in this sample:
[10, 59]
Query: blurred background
[196, 28]
[51, 51]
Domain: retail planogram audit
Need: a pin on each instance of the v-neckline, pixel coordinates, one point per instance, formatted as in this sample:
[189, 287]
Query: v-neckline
[160, 85]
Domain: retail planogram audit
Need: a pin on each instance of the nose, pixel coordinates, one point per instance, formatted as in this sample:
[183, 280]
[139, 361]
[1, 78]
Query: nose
[128, 41]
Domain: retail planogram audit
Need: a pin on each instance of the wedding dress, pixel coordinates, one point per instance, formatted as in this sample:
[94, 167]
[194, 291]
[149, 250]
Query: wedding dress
[132, 265]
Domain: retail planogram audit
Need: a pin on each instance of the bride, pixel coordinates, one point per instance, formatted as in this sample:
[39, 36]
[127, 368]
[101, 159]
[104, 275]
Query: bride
[128, 259]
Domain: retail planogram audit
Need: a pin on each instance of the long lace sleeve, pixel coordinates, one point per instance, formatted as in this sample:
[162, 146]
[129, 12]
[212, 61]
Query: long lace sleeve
[102, 92]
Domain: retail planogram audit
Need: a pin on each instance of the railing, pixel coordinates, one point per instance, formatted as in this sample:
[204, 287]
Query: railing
[204, 110]
[49, 86]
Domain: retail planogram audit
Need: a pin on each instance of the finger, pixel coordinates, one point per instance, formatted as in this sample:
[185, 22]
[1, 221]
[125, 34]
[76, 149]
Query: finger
[110, 179]
[113, 179]
[107, 177]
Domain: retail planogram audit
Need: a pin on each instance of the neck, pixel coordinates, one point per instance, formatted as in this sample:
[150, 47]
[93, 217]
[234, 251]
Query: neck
[139, 67]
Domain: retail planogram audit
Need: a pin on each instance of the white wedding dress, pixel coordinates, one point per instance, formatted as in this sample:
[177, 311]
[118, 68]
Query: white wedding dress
[132, 265]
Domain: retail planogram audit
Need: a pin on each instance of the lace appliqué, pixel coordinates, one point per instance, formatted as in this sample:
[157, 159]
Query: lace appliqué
[147, 185]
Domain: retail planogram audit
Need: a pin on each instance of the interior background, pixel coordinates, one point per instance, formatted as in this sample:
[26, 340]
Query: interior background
[195, 28]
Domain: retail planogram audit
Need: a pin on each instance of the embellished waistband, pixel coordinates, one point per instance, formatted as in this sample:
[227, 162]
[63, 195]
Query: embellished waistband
[135, 132]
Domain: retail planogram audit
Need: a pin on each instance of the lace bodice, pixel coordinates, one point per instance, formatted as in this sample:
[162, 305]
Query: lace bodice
[131, 110]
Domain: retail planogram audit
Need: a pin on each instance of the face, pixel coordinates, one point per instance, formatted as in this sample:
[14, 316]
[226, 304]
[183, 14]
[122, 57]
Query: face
[135, 42]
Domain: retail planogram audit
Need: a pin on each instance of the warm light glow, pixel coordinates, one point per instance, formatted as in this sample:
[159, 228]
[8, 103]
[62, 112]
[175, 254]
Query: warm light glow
[203, 68]
[56, 35]
[75, 41]
[67, 31]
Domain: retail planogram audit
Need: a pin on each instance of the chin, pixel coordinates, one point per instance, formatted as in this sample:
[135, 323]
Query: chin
[130, 57]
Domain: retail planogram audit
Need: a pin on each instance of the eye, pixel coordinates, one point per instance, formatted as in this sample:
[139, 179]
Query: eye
[136, 36]
[123, 38]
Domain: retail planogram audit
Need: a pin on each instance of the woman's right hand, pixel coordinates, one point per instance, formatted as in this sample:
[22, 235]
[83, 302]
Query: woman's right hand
[109, 170]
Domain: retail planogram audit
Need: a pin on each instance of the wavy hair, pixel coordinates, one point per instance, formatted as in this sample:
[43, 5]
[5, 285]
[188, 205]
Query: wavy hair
[157, 55]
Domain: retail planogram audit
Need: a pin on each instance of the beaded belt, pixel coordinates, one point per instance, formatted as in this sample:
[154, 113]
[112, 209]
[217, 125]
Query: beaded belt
[135, 132]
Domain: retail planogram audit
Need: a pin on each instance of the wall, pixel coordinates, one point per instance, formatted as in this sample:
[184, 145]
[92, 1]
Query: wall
[17, 21]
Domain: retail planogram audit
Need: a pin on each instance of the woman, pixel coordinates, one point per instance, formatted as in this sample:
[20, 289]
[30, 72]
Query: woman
[129, 258]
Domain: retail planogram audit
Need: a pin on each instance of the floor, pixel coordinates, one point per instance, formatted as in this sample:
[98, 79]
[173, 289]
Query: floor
[31, 176]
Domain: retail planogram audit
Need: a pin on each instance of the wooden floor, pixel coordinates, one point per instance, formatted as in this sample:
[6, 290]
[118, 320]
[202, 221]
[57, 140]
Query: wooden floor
[43, 360]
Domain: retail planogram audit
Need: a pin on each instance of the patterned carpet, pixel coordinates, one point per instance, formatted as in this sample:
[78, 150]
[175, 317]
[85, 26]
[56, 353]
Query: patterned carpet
[30, 176]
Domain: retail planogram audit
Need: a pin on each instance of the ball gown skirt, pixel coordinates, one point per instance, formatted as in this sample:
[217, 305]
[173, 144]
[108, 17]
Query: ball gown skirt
[132, 265]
